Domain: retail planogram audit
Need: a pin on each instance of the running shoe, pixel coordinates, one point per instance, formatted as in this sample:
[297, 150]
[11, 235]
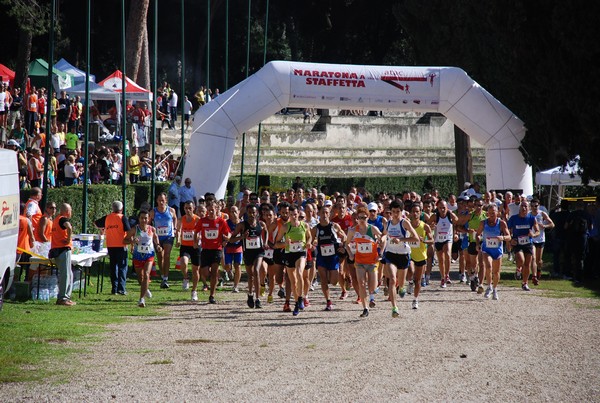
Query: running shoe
[220, 282]
[395, 313]
[205, 287]
[358, 300]
[344, 295]
[281, 293]
[306, 302]
[525, 287]
[286, 307]
[296, 310]
[415, 304]
[510, 257]
[211, 300]
[479, 289]
[427, 279]
[411, 288]
[235, 290]
[443, 284]
[539, 275]
[518, 274]
[495, 295]
[142, 303]
[376, 291]
[194, 296]
[372, 303]
[250, 301]
[474, 283]
[164, 284]
[312, 287]
[186, 284]
[463, 278]
[535, 280]
[402, 292]
[257, 304]
[423, 282]
[448, 281]
[329, 306]
[226, 276]
[488, 292]
[269, 299]
[148, 293]
[365, 313]
[262, 290]
[300, 303]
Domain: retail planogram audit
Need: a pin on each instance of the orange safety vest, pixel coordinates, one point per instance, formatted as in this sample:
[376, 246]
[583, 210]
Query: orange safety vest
[47, 231]
[59, 236]
[23, 237]
[187, 230]
[114, 230]
[35, 218]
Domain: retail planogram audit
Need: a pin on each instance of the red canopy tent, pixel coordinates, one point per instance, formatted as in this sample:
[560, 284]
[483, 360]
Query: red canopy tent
[132, 90]
[7, 75]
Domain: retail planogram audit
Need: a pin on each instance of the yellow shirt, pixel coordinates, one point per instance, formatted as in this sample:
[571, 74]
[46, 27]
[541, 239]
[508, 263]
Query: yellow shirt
[134, 167]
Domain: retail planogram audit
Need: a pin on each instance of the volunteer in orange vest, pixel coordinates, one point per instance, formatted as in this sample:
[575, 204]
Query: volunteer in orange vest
[32, 207]
[60, 251]
[366, 237]
[25, 237]
[115, 227]
[43, 233]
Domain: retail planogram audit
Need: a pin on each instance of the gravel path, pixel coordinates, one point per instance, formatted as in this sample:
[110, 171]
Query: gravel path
[456, 347]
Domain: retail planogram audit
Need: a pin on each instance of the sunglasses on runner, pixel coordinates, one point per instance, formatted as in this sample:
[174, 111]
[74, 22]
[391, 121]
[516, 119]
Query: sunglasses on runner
[362, 217]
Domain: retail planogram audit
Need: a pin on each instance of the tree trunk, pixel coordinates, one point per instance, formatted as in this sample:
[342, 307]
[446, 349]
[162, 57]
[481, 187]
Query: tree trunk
[136, 24]
[143, 76]
[23, 57]
[464, 159]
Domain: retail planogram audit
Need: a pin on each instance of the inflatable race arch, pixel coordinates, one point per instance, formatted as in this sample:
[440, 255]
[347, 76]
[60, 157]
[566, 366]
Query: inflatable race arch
[447, 90]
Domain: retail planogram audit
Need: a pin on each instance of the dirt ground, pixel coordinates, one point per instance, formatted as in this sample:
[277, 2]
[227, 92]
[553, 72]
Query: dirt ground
[457, 346]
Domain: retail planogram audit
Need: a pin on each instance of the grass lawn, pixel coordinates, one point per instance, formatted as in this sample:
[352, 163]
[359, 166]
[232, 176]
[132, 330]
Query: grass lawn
[40, 339]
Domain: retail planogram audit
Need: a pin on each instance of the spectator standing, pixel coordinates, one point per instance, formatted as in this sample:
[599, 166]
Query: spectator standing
[187, 112]
[174, 200]
[32, 111]
[187, 193]
[134, 165]
[115, 227]
[35, 168]
[15, 107]
[60, 251]
[173, 108]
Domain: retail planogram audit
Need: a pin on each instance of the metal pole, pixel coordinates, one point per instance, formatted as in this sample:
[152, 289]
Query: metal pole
[260, 124]
[182, 96]
[123, 107]
[88, 102]
[48, 121]
[226, 45]
[154, 108]
[207, 45]
[247, 68]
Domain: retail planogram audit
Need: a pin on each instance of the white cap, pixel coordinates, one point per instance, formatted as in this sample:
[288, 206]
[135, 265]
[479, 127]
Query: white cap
[13, 142]
[373, 206]
[328, 203]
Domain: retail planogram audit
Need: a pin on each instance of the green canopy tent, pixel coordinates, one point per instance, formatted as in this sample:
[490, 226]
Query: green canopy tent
[38, 75]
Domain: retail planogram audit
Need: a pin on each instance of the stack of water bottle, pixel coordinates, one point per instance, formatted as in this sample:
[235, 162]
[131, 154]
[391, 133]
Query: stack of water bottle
[48, 288]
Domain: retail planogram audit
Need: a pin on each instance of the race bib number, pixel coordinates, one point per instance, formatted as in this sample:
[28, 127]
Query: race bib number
[523, 240]
[187, 235]
[253, 242]
[365, 247]
[269, 253]
[492, 242]
[327, 250]
[352, 247]
[32, 106]
[144, 248]
[162, 231]
[211, 233]
[414, 244]
[443, 236]
[296, 247]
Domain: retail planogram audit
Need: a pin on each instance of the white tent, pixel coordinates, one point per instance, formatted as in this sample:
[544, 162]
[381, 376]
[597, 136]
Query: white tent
[560, 177]
[447, 90]
[97, 92]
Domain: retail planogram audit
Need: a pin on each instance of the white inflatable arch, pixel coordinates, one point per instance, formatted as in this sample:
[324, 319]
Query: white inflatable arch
[447, 90]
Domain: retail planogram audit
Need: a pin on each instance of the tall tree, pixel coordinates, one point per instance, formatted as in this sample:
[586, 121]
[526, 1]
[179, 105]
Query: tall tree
[32, 19]
[136, 49]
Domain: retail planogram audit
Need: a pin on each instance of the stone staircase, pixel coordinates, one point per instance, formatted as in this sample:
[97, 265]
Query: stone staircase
[407, 144]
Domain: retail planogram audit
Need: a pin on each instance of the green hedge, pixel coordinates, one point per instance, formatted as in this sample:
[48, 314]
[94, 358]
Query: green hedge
[100, 198]
[445, 184]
